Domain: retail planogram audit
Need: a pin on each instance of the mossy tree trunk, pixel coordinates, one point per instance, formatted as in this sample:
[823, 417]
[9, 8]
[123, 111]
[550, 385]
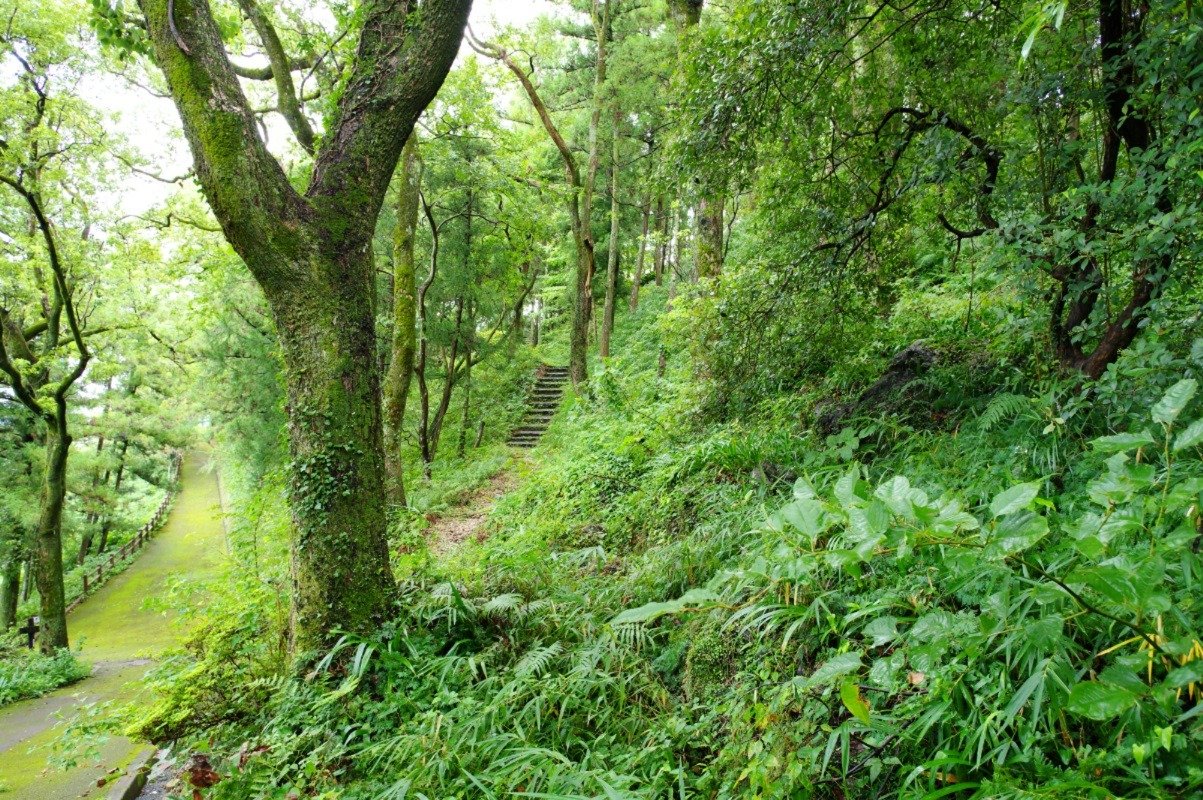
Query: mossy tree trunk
[311, 254]
[710, 236]
[10, 591]
[612, 254]
[48, 542]
[405, 320]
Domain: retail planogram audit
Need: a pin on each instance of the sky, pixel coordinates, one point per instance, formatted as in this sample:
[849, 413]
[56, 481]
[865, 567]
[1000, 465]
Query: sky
[151, 126]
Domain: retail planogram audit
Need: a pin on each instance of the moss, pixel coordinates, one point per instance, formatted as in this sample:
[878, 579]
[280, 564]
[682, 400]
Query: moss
[129, 618]
[711, 658]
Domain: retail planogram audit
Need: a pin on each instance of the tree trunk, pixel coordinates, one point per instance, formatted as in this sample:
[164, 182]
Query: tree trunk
[633, 303]
[467, 412]
[10, 591]
[48, 544]
[440, 414]
[341, 572]
[85, 539]
[612, 255]
[405, 313]
[107, 524]
[710, 236]
[661, 228]
[708, 255]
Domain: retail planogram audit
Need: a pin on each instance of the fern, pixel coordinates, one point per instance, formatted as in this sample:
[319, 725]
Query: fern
[1002, 408]
[537, 660]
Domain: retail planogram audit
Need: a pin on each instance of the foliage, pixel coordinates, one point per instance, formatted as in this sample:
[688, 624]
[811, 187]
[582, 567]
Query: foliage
[28, 673]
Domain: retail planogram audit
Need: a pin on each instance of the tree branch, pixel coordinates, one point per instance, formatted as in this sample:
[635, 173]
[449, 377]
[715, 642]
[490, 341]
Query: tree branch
[400, 64]
[286, 94]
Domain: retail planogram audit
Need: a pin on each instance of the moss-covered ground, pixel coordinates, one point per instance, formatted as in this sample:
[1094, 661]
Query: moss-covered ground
[125, 624]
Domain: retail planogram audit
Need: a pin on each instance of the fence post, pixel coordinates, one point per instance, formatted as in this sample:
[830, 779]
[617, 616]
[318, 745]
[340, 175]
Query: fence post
[85, 583]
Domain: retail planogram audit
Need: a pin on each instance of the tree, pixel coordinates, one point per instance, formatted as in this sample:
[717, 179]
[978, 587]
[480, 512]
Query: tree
[311, 254]
[405, 318]
[44, 349]
[579, 201]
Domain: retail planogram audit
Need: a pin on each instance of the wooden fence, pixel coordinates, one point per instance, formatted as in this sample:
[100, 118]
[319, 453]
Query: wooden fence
[104, 569]
[93, 578]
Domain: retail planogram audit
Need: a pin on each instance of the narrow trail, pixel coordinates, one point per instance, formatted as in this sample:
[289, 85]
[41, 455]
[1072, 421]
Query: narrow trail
[465, 520]
[122, 630]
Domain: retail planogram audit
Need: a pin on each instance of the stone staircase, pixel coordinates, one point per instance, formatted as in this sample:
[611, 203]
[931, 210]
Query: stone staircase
[544, 400]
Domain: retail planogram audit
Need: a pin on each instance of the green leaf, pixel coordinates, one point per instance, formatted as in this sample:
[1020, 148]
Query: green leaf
[1167, 409]
[883, 630]
[1122, 442]
[806, 515]
[854, 701]
[651, 611]
[846, 488]
[1100, 701]
[1014, 499]
[1190, 437]
[1018, 532]
[896, 494]
[834, 667]
[1109, 581]
[1191, 672]
[1024, 693]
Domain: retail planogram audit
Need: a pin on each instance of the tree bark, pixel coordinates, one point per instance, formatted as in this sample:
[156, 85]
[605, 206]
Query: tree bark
[107, 524]
[612, 255]
[311, 254]
[48, 542]
[1081, 282]
[661, 244]
[646, 207]
[405, 317]
[467, 411]
[10, 590]
[710, 236]
[85, 539]
[440, 414]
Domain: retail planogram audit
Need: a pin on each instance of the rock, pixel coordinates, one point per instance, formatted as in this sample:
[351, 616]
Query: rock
[907, 366]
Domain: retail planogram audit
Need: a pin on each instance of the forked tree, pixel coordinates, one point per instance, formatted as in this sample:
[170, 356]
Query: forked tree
[311, 253]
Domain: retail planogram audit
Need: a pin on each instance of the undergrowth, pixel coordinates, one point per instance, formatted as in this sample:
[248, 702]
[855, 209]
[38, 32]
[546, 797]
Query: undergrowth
[27, 673]
[996, 596]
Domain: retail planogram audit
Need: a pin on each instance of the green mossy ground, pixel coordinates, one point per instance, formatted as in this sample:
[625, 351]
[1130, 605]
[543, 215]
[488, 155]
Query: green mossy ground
[126, 621]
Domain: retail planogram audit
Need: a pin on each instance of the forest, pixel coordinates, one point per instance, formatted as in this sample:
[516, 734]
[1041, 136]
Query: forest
[566, 399]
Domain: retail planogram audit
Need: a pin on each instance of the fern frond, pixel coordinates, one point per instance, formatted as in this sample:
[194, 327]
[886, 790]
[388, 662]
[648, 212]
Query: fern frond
[1002, 408]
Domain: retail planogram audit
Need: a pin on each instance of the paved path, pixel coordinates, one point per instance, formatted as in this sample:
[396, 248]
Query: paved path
[122, 627]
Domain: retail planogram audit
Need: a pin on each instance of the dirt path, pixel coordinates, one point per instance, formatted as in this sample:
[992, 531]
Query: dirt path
[465, 520]
[122, 628]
